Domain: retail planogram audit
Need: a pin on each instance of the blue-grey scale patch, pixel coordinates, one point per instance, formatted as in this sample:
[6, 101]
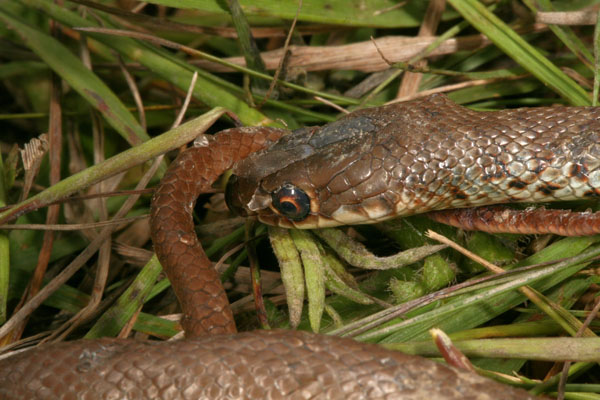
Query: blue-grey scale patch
[301, 144]
[342, 130]
[285, 151]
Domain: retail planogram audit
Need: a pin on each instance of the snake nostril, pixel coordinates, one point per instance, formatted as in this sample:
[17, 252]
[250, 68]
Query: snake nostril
[292, 202]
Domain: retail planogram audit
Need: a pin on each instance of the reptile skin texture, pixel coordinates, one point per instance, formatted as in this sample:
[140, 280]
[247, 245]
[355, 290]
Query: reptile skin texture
[419, 156]
[250, 365]
[196, 283]
[429, 154]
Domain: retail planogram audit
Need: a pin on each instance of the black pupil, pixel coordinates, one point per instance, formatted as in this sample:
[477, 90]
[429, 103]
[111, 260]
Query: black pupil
[288, 207]
[292, 202]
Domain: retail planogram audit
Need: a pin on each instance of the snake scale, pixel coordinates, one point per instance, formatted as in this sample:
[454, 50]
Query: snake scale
[420, 156]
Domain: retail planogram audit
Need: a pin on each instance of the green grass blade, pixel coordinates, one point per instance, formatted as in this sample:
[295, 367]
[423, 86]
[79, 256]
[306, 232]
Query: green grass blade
[112, 321]
[383, 13]
[522, 52]
[210, 89]
[72, 70]
[121, 162]
[475, 309]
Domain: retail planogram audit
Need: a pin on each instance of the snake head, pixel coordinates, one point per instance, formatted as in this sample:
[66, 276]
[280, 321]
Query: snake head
[288, 184]
[245, 194]
[286, 206]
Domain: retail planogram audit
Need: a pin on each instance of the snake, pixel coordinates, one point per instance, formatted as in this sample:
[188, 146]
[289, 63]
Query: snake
[428, 155]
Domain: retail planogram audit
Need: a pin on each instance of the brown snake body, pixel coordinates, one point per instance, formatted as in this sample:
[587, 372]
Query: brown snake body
[419, 156]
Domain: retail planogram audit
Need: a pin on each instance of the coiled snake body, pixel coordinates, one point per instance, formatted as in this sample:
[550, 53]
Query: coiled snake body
[373, 164]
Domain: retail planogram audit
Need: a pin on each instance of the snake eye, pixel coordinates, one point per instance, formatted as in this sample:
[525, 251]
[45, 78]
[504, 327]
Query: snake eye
[292, 202]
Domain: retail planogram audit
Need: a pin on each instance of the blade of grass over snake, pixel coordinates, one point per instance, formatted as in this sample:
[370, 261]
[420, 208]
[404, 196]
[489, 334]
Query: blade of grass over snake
[121, 162]
[521, 51]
